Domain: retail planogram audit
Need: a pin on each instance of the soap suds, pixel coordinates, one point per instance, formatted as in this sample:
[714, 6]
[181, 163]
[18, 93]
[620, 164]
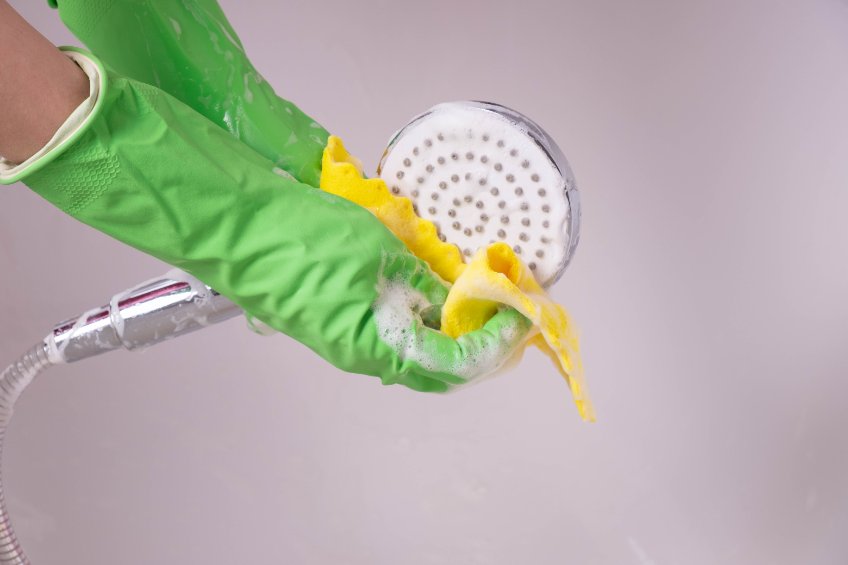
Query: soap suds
[400, 327]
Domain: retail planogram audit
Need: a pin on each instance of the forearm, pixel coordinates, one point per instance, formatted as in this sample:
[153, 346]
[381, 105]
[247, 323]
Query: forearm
[39, 87]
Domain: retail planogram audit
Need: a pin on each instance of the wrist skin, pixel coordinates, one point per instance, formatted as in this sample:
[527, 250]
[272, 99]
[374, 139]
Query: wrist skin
[39, 87]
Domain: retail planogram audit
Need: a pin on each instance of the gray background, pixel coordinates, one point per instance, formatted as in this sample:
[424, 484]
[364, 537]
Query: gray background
[709, 141]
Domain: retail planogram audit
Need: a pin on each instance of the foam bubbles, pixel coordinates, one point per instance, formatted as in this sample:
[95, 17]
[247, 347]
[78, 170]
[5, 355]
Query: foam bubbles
[399, 325]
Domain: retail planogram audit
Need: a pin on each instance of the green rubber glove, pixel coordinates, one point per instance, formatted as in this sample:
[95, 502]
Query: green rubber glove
[155, 174]
[190, 50]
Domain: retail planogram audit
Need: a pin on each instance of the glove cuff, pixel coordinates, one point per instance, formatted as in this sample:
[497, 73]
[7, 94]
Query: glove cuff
[73, 127]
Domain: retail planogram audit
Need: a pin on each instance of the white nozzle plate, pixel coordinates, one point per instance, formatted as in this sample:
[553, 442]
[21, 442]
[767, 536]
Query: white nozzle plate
[484, 173]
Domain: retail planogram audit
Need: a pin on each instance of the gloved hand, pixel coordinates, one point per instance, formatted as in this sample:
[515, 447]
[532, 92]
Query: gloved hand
[190, 50]
[153, 173]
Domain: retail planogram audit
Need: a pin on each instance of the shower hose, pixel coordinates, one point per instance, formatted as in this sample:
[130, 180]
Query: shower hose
[152, 312]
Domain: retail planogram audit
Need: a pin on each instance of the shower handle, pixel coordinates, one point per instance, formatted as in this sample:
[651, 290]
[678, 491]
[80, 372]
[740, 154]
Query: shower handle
[154, 311]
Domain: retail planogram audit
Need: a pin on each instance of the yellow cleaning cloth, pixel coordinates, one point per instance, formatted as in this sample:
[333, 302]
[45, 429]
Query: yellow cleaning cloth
[341, 174]
[495, 275]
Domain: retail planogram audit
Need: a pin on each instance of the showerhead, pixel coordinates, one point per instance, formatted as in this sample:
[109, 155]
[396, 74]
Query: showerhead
[482, 173]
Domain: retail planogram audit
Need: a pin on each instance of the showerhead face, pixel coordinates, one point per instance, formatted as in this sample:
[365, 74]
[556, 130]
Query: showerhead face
[484, 173]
